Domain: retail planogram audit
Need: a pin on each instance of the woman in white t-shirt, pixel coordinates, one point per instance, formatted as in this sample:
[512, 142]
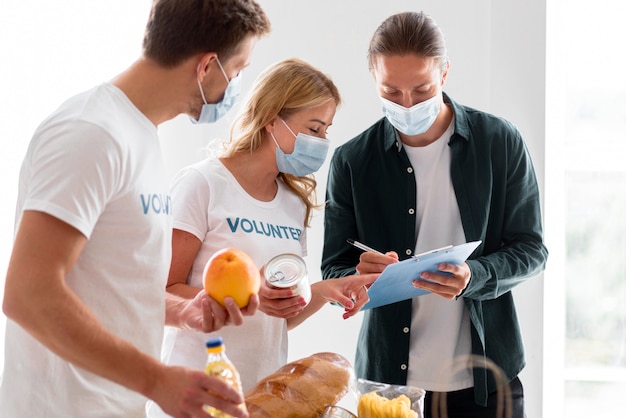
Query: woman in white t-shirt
[258, 197]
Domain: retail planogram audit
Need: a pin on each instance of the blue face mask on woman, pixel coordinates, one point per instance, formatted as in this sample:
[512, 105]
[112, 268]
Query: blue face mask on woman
[414, 120]
[211, 112]
[309, 153]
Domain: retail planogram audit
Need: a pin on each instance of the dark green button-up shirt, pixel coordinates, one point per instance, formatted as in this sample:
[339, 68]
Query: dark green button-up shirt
[371, 197]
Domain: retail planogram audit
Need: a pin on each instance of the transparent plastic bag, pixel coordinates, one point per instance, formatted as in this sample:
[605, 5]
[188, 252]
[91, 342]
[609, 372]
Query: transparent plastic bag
[381, 400]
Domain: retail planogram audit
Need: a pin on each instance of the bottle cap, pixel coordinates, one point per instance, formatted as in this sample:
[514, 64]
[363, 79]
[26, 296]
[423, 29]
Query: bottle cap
[214, 342]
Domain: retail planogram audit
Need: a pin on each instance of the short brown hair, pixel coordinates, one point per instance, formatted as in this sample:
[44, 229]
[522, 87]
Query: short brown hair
[408, 33]
[179, 29]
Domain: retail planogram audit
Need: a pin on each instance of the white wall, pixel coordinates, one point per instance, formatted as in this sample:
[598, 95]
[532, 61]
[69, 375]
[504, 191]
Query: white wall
[51, 50]
[496, 49]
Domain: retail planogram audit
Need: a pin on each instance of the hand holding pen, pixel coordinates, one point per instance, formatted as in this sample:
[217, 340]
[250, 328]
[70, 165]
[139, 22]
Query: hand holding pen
[372, 260]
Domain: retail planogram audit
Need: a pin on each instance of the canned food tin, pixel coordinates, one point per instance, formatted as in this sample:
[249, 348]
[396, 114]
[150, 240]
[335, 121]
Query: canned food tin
[288, 271]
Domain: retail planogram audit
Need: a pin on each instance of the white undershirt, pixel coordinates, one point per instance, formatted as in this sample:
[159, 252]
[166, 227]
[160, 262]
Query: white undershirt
[440, 328]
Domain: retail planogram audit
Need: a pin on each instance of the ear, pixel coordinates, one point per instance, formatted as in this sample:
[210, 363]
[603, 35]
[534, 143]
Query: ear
[271, 125]
[204, 64]
[445, 73]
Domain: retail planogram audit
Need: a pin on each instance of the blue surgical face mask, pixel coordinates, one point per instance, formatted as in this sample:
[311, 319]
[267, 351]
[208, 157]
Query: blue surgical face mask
[309, 153]
[211, 112]
[414, 120]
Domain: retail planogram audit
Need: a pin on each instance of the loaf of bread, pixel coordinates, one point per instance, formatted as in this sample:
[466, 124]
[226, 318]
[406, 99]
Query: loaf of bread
[302, 388]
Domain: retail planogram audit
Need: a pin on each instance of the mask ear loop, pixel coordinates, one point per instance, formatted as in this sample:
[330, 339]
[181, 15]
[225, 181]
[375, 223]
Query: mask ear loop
[287, 126]
[276, 142]
[219, 64]
[222, 68]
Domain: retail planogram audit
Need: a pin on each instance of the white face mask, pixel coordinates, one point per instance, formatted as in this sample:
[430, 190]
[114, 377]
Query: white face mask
[211, 112]
[414, 120]
[309, 153]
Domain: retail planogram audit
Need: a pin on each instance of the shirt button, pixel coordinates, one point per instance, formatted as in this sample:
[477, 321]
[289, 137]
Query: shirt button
[411, 211]
[409, 169]
[408, 251]
[405, 330]
[403, 366]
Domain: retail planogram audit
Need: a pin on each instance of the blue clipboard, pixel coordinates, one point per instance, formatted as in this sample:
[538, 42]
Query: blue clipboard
[395, 283]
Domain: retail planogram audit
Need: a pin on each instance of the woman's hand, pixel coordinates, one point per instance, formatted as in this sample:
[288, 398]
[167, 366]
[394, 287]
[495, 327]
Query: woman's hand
[281, 303]
[205, 314]
[349, 291]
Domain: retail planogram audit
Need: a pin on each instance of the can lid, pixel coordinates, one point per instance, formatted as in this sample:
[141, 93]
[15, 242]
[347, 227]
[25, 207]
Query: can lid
[285, 270]
[214, 342]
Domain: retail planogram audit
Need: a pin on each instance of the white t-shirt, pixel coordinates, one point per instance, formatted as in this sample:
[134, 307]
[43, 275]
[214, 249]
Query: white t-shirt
[209, 203]
[95, 164]
[440, 328]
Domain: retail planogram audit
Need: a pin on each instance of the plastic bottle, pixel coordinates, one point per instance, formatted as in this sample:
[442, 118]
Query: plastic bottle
[219, 365]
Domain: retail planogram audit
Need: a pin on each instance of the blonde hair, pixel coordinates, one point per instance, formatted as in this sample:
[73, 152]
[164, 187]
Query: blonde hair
[281, 90]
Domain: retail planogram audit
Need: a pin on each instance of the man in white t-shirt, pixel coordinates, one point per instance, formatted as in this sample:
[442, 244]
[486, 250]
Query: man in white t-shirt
[85, 288]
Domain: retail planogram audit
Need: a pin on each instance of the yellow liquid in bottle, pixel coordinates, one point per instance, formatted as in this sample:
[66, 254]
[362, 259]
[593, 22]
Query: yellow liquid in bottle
[225, 370]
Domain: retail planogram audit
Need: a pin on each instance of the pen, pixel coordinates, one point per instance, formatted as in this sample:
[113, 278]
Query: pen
[362, 246]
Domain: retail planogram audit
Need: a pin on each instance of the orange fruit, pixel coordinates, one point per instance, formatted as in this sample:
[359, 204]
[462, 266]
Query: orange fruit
[231, 272]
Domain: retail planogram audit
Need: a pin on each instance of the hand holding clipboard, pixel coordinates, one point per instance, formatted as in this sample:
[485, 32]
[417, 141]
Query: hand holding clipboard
[395, 283]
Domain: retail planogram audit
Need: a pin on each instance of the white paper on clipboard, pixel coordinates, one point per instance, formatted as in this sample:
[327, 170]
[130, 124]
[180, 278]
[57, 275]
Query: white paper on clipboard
[395, 283]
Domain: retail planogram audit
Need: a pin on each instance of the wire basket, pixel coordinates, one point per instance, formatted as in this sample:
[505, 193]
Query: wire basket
[503, 395]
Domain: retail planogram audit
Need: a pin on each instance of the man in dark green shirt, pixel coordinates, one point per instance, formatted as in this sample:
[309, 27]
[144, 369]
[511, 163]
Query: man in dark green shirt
[432, 173]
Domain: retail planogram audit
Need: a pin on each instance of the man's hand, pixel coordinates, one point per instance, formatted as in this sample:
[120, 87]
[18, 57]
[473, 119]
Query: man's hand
[183, 392]
[446, 286]
[371, 262]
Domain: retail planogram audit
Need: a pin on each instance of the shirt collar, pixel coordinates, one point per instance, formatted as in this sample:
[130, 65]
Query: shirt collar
[392, 139]
[461, 124]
